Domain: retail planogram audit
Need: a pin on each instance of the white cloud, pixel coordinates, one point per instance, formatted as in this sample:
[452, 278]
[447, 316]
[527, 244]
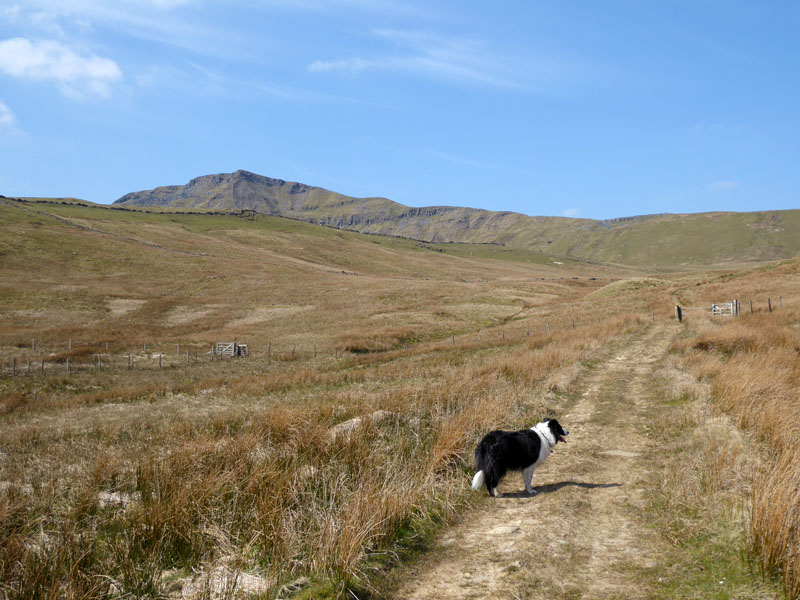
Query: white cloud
[7, 119]
[9, 13]
[47, 21]
[432, 55]
[349, 65]
[475, 61]
[722, 185]
[49, 60]
[571, 212]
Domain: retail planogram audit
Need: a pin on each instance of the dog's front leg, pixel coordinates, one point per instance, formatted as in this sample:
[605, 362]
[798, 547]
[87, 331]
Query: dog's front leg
[527, 476]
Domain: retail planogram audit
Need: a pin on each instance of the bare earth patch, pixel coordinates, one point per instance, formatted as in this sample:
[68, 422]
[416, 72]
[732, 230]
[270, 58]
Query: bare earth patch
[121, 306]
[186, 314]
[579, 536]
[261, 315]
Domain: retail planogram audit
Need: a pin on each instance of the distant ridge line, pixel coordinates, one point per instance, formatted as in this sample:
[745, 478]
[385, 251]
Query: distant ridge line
[664, 240]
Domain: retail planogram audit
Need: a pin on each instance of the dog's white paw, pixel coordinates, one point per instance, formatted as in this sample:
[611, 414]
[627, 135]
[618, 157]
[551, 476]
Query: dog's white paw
[532, 492]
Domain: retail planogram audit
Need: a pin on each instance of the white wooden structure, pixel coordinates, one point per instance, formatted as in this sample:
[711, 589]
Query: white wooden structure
[231, 349]
[725, 309]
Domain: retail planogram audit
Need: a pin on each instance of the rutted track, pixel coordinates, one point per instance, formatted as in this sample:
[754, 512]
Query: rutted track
[578, 537]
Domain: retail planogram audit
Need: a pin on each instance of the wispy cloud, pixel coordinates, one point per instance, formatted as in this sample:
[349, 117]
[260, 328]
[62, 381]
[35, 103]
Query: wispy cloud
[474, 61]
[722, 185]
[77, 75]
[348, 65]
[221, 83]
[173, 23]
[472, 163]
[432, 55]
[7, 119]
[571, 212]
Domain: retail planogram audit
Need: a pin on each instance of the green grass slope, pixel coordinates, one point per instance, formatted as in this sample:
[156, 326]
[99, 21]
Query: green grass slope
[665, 241]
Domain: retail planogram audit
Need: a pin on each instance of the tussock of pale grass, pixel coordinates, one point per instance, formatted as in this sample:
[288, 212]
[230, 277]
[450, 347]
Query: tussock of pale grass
[753, 366]
[775, 528]
[257, 482]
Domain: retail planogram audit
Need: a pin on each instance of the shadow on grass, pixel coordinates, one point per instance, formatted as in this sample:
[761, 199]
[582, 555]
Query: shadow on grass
[554, 487]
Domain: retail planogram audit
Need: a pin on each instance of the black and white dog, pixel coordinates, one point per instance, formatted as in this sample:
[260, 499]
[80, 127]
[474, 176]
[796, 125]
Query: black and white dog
[502, 451]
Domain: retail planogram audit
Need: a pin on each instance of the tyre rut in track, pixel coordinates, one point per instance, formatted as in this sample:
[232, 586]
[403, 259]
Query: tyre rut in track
[579, 536]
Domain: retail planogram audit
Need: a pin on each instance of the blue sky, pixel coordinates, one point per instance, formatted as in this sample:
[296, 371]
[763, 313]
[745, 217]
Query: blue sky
[593, 109]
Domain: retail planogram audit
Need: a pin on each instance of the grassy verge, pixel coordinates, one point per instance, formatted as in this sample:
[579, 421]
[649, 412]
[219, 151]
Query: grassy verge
[703, 476]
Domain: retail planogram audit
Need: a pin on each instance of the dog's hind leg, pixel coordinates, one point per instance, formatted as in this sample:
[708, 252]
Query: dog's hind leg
[492, 481]
[527, 476]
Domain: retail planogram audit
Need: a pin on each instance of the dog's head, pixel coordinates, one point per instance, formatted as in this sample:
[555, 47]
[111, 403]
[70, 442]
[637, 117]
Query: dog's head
[559, 433]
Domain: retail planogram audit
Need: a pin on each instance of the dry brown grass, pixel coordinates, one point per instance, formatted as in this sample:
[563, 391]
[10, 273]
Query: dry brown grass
[242, 468]
[754, 372]
[133, 483]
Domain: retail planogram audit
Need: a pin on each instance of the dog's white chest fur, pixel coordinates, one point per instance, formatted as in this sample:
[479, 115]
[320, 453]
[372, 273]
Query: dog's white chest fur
[548, 441]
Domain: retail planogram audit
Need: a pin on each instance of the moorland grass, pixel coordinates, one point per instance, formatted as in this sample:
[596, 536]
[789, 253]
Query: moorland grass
[754, 373]
[146, 482]
[257, 477]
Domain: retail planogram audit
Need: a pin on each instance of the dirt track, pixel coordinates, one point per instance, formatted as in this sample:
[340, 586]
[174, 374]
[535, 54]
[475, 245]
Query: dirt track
[578, 537]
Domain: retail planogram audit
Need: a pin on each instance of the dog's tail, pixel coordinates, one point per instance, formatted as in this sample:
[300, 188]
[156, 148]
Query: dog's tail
[478, 480]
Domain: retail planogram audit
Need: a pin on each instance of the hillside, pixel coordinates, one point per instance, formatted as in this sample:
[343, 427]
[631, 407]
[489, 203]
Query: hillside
[133, 462]
[244, 190]
[665, 241]
[128, 274]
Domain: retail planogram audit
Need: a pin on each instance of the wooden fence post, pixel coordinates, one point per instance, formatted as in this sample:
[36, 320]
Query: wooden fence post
[33, 345]
[548, 328]
[751, 308]
[42, 366]
[769, 304]
[678, 313]
[504, 334]
[159, 360]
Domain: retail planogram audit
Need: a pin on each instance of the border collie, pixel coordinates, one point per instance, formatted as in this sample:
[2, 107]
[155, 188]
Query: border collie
[502, 451]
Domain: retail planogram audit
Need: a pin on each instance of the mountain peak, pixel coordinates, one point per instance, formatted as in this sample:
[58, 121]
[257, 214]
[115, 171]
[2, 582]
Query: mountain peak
[579, 238]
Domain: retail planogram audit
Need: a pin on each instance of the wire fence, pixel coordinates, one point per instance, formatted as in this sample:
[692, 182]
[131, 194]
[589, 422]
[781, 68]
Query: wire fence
[30, 359]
